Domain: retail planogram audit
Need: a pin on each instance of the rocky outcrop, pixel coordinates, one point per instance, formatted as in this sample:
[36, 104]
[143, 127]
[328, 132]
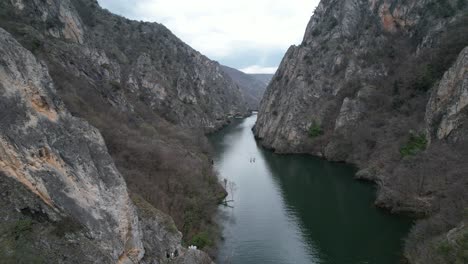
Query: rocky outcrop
[251, 88]
[62, 159]
[447, 108]
[163, 238]
[372, 84]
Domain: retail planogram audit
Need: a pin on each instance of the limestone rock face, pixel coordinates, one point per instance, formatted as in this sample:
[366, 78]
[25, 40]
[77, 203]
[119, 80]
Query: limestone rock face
[60, 185]
[377, 77]
[60, 158]
[336, 64]
[446, 112]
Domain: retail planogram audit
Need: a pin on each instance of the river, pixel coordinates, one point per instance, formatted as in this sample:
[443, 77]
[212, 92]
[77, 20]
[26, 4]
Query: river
[297, 208]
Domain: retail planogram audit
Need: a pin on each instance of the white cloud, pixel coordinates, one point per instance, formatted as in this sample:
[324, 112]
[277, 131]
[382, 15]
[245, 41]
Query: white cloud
[220, 28]
[259, 69]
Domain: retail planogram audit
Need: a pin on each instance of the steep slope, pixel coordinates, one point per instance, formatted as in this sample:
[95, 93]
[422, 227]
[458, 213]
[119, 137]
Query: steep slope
[441, 173]
[252, 88]
[63, 199]
[151, 96]
[361, 88]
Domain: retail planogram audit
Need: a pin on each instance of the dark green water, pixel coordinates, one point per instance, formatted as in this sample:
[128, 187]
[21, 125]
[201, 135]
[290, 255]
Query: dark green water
[298, 209]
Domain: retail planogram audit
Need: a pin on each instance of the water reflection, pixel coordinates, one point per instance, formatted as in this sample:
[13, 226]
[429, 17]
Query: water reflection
[298, 209]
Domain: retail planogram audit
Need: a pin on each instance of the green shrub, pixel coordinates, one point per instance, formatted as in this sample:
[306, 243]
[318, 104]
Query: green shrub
[193, 216]
[426, 79]
[115, 85]
[22, 226]
[316, 32]
[315, 130]
[457, 252]
[463, 252]
[441, 8]
[35, 45]
[444, 248]
[415, 144]
[106, 66]
[461, 4]
[16, 243]
[201, 240]
[67, 225]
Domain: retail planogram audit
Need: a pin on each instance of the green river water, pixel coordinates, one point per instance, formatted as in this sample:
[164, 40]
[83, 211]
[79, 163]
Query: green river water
[298, 209]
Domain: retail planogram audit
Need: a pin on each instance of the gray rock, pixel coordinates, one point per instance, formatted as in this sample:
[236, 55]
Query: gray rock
[60, 158]
[446, 110]
[367, 174]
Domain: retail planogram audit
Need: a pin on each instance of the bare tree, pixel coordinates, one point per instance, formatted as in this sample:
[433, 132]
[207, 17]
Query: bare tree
[230, 187]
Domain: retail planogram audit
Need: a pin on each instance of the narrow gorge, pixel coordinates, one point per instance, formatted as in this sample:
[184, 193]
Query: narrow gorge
[120, 143]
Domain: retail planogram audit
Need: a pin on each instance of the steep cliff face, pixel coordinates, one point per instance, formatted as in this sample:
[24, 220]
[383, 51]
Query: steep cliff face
[251, 87]
[61, 159]
[371, 84]
[446, 110]
[144, 60]
[62, 195]
[348, 49]
[151, 96]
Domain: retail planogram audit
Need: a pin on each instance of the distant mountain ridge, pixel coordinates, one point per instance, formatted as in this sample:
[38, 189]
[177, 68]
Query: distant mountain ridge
[263, 77]
[252, 86]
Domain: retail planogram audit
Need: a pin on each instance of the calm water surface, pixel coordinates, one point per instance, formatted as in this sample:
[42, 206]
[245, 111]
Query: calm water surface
[298, 209]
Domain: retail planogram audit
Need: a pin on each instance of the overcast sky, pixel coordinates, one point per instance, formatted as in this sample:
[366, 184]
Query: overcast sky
[250, 35]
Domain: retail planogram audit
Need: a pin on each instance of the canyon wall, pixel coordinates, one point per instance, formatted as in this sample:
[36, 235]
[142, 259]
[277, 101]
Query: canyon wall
[382, 84]
[63, 199]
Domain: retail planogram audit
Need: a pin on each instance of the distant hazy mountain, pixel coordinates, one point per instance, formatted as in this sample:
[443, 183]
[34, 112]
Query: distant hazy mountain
[252, 86]
[263, 77]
